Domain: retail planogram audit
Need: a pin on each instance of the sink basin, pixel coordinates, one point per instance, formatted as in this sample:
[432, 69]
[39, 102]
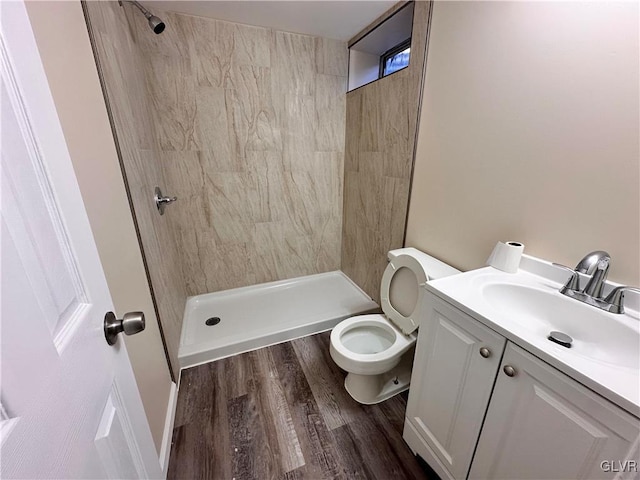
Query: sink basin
[597, 335]
[526, 306]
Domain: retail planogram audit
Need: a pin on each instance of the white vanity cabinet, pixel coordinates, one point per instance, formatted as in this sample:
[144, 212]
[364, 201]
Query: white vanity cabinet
[454, 370]
[539, 422]
[543, 424]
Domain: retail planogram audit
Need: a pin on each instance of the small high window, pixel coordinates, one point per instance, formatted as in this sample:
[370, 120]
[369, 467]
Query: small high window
[395, 59]
[383, 50]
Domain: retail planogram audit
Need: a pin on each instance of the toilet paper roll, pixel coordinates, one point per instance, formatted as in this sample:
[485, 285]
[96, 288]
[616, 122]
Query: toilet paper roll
[506, 256]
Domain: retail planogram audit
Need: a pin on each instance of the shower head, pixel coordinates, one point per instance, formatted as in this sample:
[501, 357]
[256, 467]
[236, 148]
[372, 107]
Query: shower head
[155, 23]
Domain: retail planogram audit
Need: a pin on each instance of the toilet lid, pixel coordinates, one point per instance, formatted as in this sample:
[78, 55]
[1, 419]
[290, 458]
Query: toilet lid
[409, 323]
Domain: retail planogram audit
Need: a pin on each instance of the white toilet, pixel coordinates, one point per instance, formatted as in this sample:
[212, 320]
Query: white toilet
[377, 350]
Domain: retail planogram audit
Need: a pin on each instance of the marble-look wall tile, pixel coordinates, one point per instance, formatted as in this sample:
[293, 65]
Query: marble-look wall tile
[211, 47]
[330, 103]
[299, 120]
[397, 140]
[252, 45]
[332, 58]
[381, 120]
[353, 119]
[212, 127]
[254, 125]
[367, 131]
[120, 58]
[293, 60]
[253, 147]
[173, 100]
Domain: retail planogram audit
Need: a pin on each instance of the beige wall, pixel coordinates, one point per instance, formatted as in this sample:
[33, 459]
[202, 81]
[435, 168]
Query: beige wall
[122, 64]
[380, 137]
[250, 122]
[529, 132]
[61, 34]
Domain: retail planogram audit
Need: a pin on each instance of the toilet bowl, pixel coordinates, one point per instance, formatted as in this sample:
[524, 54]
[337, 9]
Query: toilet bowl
[377, 349]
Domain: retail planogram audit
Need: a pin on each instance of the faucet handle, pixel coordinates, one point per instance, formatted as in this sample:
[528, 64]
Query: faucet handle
[573, 283]
[616, 298]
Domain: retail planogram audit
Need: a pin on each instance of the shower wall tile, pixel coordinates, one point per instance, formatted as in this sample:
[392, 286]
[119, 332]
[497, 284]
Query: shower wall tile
[253, 146]
[367, 132]
[330, 103]
[293, 61]
[211, 46]
[267, 168]
[252, 45]
[213, 266]
[397, 140]
[121, 63]
[211, 124]
[298, 118]
[173, 100]
[252, 109]
[331, 57]
[381, 120]
[353, 119]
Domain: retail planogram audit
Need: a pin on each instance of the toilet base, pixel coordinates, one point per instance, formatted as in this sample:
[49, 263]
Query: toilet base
[372, 389]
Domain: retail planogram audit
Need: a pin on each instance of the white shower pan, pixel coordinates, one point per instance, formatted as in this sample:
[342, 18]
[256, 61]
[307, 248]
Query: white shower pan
[261, 315]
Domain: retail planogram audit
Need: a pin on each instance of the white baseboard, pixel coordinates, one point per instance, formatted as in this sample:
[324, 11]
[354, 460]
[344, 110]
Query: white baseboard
[167, 436]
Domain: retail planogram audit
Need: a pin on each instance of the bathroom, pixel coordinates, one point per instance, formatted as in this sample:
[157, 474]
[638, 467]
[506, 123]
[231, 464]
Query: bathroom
[512, 120]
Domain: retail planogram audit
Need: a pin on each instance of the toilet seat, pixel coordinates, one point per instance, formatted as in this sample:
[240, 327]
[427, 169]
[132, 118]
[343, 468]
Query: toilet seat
[369, 363]
[409, 323]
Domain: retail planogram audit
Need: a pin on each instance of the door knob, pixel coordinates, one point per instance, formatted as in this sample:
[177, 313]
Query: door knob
[161, 200]
[131, 323]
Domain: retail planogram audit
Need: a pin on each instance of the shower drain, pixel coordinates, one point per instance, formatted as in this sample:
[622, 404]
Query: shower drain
[212, 321]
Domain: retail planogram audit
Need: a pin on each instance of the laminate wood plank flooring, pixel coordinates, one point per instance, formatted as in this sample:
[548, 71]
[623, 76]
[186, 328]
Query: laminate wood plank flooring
[282, 412]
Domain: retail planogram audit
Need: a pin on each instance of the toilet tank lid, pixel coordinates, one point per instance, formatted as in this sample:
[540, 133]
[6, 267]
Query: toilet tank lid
[433, 267]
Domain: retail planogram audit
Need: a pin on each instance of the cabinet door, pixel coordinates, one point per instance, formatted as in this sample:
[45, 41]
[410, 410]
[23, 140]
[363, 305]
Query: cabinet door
[450, 386]
[542, 424]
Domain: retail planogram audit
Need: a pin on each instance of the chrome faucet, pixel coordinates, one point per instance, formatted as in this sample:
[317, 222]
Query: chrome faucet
[596, 264]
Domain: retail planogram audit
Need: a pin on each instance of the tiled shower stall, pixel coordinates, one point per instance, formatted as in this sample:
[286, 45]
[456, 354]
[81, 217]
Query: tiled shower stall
[279, 172]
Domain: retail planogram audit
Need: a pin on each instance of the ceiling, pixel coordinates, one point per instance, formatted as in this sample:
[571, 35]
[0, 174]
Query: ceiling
[332, 19]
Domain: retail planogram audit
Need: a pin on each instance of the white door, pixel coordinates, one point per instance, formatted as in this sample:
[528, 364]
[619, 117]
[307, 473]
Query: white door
[70, 405]
[457, 359]
[542, 424]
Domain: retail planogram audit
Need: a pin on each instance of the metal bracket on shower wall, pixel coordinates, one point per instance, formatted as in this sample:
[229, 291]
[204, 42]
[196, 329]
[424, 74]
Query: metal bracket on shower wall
[162, 201]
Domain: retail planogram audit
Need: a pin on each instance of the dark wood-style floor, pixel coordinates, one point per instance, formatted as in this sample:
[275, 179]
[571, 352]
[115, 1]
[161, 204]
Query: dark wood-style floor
[282, 412]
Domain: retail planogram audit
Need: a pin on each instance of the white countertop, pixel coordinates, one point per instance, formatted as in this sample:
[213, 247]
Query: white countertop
[619, 384]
